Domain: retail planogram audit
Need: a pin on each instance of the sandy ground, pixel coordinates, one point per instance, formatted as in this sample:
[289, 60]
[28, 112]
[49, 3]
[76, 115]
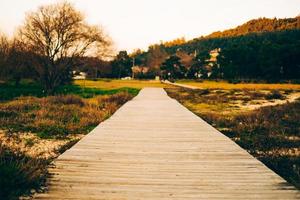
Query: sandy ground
[252, 105]
[34, 146]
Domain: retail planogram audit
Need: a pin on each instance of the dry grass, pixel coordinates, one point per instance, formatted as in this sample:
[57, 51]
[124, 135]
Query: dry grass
[231, 102]
[230, 86]
[116, 84]
[33, 131]
[58, 116]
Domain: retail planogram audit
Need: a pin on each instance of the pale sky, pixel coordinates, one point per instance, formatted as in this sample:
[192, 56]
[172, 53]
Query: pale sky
[137, 23]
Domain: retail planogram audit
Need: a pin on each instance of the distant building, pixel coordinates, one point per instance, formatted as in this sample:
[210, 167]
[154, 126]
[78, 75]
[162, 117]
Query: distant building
[79, 75]
[126, 78]
[210, 62]
[213, 59]
[214, 54]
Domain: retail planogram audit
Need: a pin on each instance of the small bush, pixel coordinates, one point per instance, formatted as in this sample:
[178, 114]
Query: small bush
[19, 173]
[199, 80]
[52, 131]
[285, 166]
[275, 94]
[7, 114]
[67, 100]
[204, 92]
[296, 81]
[234, 81]
[119, 98]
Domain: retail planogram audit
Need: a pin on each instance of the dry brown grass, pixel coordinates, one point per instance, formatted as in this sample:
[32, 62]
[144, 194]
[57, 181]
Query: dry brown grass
[230, 86]
[58, 116]
[33, 131]
[231, 101]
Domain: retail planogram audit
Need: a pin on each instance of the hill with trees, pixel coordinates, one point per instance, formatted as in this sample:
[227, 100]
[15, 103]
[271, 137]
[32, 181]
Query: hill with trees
[264, 49]
[259, 26]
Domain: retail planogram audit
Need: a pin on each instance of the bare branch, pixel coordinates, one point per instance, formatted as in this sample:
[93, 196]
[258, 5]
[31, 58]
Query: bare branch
[58, 33]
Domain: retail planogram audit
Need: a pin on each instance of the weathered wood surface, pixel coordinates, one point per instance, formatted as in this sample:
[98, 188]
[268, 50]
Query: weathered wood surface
[154, 148]
[181, 85]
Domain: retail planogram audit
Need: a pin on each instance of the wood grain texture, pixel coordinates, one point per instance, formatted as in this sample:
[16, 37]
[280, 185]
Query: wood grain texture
[154, 148]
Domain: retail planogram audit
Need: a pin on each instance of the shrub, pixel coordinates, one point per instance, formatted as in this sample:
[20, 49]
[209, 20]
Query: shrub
[66, 99]
[285, 166]
[204, 91]
[275, 94]
[118, 99]
[234, 81]
[19, 173]
[51, 131]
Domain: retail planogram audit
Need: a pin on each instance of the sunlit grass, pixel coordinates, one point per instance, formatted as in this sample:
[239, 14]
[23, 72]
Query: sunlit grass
[229, 86]
[116, 84]
[9, 91]
[58, 116]
[54, 121]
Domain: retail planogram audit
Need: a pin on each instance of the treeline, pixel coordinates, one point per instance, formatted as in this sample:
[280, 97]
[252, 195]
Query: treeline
[264, 49]
[269, 56]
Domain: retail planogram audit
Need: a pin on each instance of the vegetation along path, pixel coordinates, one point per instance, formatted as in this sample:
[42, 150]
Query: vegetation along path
[154, 148]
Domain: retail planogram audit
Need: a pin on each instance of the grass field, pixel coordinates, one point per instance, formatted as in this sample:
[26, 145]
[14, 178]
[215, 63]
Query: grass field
[9, 91]
[116, 84]
[230, 86]
[270, 133]
[36, 128]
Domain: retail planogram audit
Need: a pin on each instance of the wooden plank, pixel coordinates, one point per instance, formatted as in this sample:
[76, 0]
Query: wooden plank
[154, 148]
[181, 85]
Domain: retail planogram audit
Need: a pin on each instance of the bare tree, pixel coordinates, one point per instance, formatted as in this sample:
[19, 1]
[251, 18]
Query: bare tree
[58, 35]
[4, 52]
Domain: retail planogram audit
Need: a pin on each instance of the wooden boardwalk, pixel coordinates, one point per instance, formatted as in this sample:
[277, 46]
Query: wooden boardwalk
[154, 148]
[181, 85]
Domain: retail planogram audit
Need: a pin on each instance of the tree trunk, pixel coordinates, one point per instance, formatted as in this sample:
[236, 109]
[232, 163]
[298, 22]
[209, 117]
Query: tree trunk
[17, 81]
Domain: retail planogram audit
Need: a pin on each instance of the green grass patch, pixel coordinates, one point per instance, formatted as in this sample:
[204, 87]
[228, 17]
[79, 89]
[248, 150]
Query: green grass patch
[92, 92]
[10, 91]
